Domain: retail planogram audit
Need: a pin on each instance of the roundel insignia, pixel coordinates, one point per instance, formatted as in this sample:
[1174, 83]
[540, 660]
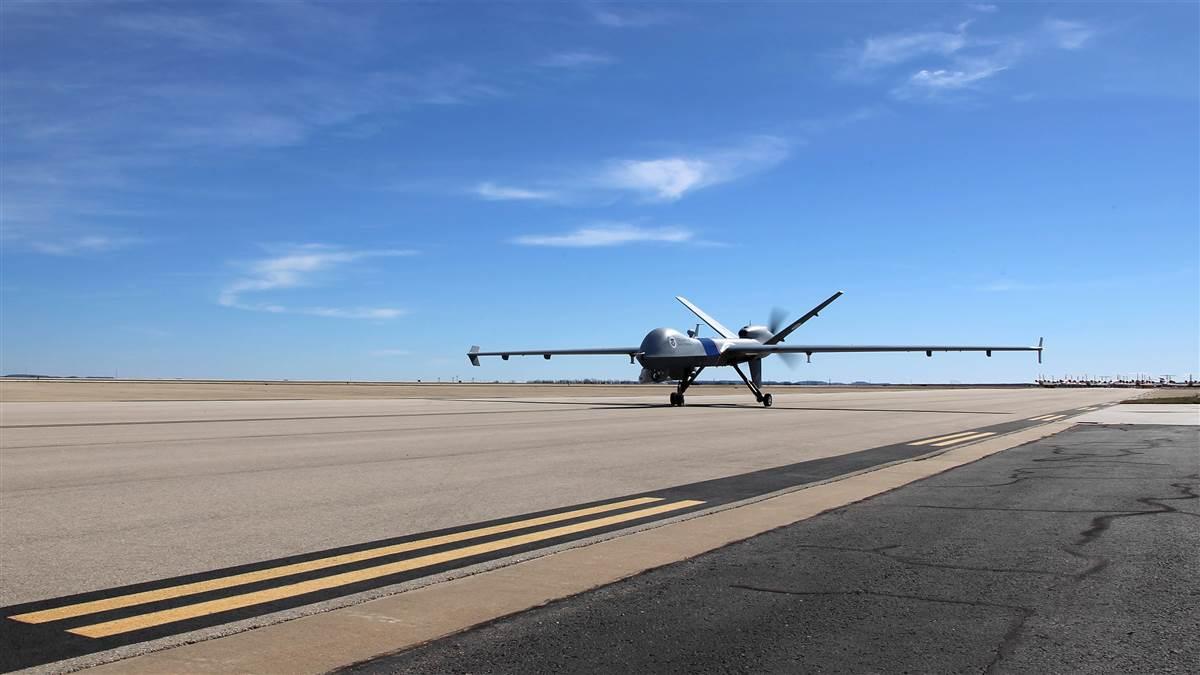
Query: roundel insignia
[672, 341]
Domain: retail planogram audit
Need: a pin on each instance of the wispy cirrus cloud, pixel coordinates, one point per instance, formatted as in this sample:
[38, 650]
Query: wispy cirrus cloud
[950, 63]
[81, 138]
[493, 192]
[626, 16]
[609, 234]
[299, 266]
[1068, 34]
[895, 48]
[81, 245]
[931, 81]
[579, 58]
[669, 178]
[664, 178]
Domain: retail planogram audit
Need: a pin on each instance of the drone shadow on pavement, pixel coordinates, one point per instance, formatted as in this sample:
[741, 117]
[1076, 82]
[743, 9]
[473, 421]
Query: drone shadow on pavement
[614, 405]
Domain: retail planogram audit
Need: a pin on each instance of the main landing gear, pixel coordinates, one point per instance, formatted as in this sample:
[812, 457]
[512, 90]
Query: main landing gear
[677, 395]
[687, 381]
[755, 389]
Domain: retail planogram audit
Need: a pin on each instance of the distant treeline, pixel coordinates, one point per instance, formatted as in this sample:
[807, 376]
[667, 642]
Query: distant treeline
[25, 376]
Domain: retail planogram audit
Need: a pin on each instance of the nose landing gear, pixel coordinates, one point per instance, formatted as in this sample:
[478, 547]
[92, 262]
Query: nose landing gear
[687, 381]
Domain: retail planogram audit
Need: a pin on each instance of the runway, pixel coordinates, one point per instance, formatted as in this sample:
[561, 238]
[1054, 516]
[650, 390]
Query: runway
[102, 495]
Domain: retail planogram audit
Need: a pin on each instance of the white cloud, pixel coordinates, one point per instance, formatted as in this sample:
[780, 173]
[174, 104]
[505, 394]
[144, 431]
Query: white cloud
[188, 31]
[942, 79]
[955, 61]
[670, 178]
[576, 59]
[627, 17]
[1068, 34]
[613, 234]
[982, 7]
[666, 178]
[493, 192]
[295, 267]
[888, 50]
[78, 139]
[80, 245]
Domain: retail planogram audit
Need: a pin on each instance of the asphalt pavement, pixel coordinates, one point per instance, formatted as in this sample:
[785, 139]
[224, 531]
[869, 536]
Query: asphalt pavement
[1076, 553]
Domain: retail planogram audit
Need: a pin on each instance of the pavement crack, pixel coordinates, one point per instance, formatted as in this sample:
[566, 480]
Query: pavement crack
[884, 552]
[882, 594]
[993, 508]
[1028, 473]
[1004, 648]
[1101, 524]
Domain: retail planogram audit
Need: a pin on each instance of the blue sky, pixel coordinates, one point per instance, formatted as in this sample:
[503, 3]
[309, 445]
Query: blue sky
[363, 190]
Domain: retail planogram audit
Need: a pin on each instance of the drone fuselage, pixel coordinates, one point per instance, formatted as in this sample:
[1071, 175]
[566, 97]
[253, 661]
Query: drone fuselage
[667, 354]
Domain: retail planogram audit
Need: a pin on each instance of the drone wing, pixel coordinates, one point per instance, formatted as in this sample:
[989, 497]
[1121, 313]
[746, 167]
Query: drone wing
[631, 352]
[768, 349]
[712, 323]
[779, 337]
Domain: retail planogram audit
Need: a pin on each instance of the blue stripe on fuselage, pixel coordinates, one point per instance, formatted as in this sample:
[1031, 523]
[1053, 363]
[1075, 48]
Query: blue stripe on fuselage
[710, 347]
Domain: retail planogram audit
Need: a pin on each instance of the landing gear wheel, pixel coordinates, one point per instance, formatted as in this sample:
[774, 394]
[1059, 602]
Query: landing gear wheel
[679, 397]
[767, 400]
[674, 398]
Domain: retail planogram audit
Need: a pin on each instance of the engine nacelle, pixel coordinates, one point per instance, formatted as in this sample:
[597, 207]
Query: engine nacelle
[647, 376]
[760, 333]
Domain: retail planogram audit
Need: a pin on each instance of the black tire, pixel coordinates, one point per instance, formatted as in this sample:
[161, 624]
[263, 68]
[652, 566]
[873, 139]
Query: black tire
[681, 399]
[674, 398]
[767, 400]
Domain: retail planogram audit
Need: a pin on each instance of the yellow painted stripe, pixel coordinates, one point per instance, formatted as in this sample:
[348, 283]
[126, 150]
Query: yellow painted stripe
[927, 441]
[1039, 418]
[199, 609]
[132, 599]
[972, 437]
[1054, 417]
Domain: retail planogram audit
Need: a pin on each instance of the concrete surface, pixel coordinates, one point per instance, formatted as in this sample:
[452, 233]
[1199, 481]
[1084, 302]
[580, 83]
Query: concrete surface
[16, 390]
[97, 495]
[1076, 553]
[320, 642]
[1146, 413]
[210, 390]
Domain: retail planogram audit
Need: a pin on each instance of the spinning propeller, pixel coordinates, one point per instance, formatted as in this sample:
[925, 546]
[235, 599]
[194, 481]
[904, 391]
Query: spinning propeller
[778, 316]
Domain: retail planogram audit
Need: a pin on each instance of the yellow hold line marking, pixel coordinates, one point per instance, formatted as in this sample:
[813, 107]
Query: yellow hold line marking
[199, 609]
[1054, 417]
[972, 437]
[927, 441]
[157, 594]
[1039, 418]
